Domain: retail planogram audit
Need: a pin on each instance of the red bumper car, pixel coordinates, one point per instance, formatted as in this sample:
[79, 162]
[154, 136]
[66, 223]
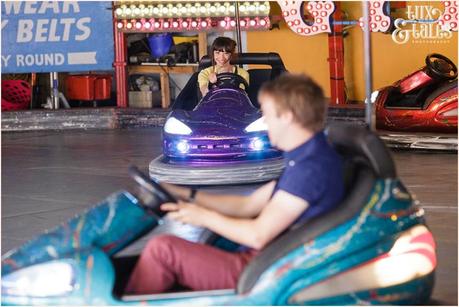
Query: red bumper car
[424, 101]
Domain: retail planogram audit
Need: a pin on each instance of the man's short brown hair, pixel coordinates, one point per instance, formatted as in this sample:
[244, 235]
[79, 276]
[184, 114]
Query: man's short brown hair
[300, 95]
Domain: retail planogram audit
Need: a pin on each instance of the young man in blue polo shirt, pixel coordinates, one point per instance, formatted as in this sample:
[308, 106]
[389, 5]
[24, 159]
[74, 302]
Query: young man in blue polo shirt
[294, 109]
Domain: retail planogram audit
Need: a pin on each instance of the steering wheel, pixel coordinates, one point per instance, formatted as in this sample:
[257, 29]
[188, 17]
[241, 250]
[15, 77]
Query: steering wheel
[440, 67]
[229, 79]
[152, 194]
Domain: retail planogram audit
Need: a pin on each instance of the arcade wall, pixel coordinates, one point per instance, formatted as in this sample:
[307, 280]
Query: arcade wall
[391, 61]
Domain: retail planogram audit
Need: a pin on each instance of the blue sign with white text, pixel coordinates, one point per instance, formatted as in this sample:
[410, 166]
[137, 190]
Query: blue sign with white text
[56, 36]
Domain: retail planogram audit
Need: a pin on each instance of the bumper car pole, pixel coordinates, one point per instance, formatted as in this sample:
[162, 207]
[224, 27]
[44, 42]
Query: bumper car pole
[238, 28]
[336, 58]
[369, 114]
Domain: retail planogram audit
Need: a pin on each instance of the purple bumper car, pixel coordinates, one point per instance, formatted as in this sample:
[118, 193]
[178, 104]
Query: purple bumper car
[220, 138]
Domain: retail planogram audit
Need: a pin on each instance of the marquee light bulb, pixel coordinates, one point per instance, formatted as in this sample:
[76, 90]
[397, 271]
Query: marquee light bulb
[191, 9]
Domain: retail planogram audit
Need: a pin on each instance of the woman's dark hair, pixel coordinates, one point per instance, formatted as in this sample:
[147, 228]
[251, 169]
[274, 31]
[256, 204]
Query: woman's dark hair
[225, 44]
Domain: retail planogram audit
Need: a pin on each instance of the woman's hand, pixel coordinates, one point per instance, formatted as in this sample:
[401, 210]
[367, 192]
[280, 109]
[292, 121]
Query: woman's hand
[187, 213]
[212, 77]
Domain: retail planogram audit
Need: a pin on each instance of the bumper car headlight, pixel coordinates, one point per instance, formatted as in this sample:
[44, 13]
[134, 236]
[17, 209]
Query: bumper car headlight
[41, 280]
[258, 125]
[257, 144]
[373, 97]
[448, 113]
[174, 126]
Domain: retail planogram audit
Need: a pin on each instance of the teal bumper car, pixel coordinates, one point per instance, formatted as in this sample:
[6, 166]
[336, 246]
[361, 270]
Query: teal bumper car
[374, 248]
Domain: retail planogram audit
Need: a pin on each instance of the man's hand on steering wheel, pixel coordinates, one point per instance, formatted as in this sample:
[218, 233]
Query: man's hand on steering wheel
[188, 213]
[229, 79]
[150, 193]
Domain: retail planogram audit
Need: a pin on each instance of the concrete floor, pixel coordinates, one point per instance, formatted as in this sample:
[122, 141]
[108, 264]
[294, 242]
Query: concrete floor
[47, 177]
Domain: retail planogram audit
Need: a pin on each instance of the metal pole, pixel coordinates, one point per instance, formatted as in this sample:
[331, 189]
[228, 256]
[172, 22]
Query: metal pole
[121, 74]
[50, 100]
[55, 90]
[34, 95]
[369, 116]
[238, 27]
[336, 58]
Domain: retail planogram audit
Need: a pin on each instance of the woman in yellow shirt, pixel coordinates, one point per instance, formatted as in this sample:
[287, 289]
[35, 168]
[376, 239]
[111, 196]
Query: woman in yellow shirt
[223, 49]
